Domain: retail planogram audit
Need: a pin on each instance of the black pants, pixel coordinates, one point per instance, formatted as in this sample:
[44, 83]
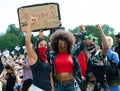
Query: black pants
[26, 84]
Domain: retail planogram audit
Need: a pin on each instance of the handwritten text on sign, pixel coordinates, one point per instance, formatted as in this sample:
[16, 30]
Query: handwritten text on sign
[48, 16]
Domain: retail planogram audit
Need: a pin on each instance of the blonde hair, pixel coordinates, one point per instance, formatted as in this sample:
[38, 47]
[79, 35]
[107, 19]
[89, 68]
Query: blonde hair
[109, 41]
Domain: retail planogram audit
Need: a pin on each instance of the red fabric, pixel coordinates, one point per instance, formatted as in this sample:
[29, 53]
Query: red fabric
[83, 63]
[42, 53]
[64, 63]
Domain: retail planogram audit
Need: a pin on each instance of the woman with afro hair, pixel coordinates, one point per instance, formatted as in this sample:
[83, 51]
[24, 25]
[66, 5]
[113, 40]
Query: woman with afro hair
[66, 69]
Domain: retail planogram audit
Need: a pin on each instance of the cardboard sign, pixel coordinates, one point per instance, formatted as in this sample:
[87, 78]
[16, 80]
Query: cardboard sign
[48, 16]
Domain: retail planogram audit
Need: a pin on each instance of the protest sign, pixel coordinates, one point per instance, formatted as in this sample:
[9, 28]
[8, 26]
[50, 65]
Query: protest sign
[48, 16]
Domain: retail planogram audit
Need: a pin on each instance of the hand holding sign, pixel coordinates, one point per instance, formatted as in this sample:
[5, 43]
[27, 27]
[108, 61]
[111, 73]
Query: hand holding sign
[33, 20]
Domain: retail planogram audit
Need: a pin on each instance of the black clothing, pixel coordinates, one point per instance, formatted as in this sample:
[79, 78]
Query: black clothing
[117, 49]
[11, 78]
[27, 83]
[41, 75]
[1, 66]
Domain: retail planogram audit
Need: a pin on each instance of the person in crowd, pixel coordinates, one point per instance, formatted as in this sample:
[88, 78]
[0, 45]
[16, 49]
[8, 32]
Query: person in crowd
[83, 56]
[6, 53]
[1, 64]
[97, 64]
[27, 74]
[113, 56]
[18, 85]
[10, 78]
[2, 80]
[117, 48]
[110, 51]
[39, 61]
[66, 70]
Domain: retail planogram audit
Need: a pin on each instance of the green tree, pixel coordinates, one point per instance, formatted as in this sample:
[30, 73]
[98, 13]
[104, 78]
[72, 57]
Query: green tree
[9, 41]
[14, 36]
[108, 30]
[14, 30]
[76, 30]
[93, 31]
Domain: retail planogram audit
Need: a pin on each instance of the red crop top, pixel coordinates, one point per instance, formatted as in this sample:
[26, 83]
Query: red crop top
[64, 63]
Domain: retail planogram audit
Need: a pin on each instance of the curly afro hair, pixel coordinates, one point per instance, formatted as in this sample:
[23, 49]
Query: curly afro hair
[60, 34]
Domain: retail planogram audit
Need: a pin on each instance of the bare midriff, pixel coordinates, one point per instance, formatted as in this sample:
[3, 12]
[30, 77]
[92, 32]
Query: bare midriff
[64, 76]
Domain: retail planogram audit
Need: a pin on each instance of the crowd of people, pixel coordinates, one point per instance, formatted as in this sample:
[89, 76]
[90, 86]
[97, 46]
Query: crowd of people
[69, 62]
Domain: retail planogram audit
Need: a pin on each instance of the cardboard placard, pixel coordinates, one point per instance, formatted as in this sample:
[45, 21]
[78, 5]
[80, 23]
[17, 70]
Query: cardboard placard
[48, 15]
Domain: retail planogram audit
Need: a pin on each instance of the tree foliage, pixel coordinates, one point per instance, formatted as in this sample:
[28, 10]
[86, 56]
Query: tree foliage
[14, 37]
[9, 41]
[93, 31]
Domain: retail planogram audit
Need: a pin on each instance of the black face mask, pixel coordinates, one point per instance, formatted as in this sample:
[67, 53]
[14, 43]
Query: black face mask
[91, 48]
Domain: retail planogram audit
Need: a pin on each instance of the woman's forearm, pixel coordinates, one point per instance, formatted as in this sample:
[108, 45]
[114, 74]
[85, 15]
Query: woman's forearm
[29, 33]
[104, 41]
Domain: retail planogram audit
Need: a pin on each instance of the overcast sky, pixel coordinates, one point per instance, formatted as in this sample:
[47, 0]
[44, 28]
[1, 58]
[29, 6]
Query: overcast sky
[73, 12]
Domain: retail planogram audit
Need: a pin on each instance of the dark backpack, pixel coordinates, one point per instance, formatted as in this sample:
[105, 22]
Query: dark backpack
[113, 73]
